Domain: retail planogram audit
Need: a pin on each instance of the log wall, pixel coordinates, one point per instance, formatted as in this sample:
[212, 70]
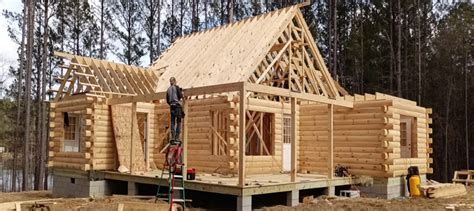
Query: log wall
[80, 105]
[97, 141]
[200, 152]
[265, 164]
[366, 138]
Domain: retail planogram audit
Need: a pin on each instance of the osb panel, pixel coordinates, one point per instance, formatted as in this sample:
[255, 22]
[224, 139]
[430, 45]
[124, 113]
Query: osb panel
[121, 120]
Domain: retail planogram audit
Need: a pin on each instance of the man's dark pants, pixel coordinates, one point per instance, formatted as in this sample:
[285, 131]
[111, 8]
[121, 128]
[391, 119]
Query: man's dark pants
[176, 115]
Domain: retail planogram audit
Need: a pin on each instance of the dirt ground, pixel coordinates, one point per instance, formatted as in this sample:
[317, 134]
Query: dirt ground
[322, 203]
[81, 204]
[339, 203]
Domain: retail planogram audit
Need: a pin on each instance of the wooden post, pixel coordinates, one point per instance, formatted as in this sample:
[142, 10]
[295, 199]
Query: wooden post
[242, 112]
[331, 140]
[185, 140]
[293, 140]
[134, 119]
[147, 142]
[290, 55]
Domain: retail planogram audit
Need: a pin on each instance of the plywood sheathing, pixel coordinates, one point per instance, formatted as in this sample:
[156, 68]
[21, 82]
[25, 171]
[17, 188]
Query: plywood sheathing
[121, 121]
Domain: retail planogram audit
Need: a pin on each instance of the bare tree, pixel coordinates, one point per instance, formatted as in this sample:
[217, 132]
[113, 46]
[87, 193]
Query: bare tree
[29, 67]
[43, 121]
[399, 48]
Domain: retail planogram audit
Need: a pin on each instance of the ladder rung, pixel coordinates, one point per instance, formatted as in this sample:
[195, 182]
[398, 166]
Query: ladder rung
[182, 200]
[178, 176]
[175, 200]
[178, 188]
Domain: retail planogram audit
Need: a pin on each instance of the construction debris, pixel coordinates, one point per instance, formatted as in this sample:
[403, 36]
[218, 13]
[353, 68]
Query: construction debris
[435, 189]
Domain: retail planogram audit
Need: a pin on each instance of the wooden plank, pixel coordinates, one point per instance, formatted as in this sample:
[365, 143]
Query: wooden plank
[185, 138]
[303, 96]
[213, 89]
[124, 139]
[242, 141]
[293, 140]
[331, 141]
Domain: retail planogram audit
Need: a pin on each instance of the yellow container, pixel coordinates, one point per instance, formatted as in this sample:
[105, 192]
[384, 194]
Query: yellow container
[414, 183]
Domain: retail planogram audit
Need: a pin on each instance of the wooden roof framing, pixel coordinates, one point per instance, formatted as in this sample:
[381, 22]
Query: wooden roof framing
[274, 49]
[103, 78]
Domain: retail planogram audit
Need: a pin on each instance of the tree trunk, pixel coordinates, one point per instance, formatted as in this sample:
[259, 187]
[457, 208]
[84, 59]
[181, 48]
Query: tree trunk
[392, 53]
[102, 30]
[399, 48]
[29, 59]
[158, 34]
[181, 18]
[18, 127]
[418, 14]
[205, 13]
[230, 11]
[466, 104]
[334, 28]
[43, 97]
[446, 130]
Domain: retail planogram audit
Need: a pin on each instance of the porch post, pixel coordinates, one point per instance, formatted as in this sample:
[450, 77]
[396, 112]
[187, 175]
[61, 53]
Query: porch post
[185, 140]
[242, 109]
[293, 140]
[132, 133]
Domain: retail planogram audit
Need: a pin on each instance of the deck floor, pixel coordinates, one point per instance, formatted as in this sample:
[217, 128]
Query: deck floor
[251, 180]
[255, 184]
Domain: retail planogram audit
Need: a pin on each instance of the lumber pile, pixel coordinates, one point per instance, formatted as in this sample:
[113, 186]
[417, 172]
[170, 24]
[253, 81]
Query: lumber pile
[466, 176]
[435, 189]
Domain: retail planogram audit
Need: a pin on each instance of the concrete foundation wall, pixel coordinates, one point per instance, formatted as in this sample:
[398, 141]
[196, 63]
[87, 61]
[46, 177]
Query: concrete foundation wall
[79, 187]
[388, 188]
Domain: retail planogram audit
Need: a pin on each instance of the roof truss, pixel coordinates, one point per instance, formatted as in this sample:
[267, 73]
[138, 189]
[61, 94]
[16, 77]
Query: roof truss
[294, 63]
[103, 79]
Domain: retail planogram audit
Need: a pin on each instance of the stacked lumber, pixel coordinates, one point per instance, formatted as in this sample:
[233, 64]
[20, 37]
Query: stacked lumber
[443, 190]
[466, 176]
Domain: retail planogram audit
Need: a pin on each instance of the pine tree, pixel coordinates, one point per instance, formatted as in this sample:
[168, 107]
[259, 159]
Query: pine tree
[128, 30]
[152, 10]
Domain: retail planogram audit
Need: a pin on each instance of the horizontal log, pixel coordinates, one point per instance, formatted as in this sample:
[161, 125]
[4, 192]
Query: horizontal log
[306, 126]
[104, 167]
[70, 160]
[56, 164]
[268, 109]
[73, 155]
[407, 107]
[102, 161]
[407, 113]
[72, 108]
[353, 121]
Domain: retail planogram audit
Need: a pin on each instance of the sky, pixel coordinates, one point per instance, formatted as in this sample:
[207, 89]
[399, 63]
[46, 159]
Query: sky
[8, 48]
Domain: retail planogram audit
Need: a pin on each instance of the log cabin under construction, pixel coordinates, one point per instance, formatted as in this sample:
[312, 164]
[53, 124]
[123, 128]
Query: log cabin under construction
[259, 85]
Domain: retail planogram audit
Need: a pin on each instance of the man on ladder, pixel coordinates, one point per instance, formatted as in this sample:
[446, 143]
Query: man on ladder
[174, 96]
[174, 152]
